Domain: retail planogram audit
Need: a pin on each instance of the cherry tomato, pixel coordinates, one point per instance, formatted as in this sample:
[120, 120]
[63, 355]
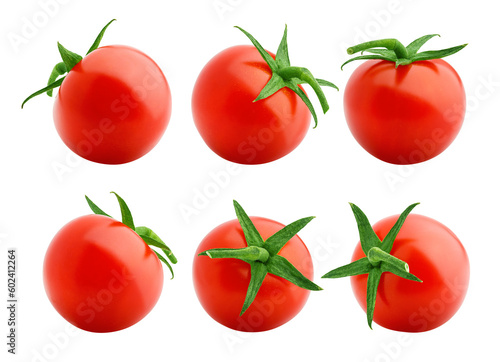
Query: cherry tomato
[100, 275]
[436, 256]
[113, 106]
[221, 284]
[232, 124]
[404, 115]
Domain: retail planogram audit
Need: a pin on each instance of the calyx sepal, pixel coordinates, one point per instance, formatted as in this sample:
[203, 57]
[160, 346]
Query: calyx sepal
[262, 256]
[394, 51]
[285, 75]
[146, 234]
[378, 258]
[70, 59]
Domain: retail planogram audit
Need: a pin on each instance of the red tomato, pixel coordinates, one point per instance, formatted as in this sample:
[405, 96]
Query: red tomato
[436, 256]
[100, 275]
[114, 105]
[221, 284]
[232, 124]
[404, 115]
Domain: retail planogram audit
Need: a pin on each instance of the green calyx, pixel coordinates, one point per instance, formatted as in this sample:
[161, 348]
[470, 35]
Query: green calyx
[392, 50]
[69, 60]
[378, 258]
[146, 234]
[263, 255]
[284, 75]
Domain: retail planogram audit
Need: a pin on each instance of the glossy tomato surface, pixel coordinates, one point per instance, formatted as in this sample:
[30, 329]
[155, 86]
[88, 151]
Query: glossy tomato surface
[100, 275]
[404, 115]
[436, 256]
[221, 284]
[114, 105]
[232, 124]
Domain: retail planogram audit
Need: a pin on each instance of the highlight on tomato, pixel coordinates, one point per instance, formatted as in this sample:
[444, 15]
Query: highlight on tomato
[102, 275]
[401, 105]
[380, 269]
[113, 105]
[249, 106]
[253, 274]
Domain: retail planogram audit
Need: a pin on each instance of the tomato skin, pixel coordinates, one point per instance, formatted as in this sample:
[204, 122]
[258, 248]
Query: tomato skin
[100, 275]
[404, 115]
[437, 257]
[221, 284]
[114, 105]
[232, 124]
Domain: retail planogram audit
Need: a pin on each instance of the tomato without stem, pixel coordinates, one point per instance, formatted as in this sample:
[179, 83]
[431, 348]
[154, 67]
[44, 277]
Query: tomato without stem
[100, 275]
[221, 284]
[436, 256]
[113, 106]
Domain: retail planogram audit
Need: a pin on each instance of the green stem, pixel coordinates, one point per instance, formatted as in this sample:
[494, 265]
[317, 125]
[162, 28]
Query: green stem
[56, 84]
[263, 256]
[378, 259]
[390, 44]
[59, 70]
[306, 76]
[145, 233]
[70, 59]
[250, 253]
[376, 256]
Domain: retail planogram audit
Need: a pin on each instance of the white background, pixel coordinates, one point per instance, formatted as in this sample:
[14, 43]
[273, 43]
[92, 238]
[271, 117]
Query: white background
[328, 170]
